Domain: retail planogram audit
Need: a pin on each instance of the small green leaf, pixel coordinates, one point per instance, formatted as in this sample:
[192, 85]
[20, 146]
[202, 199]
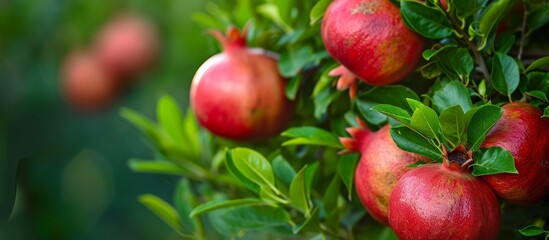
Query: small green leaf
[170, 118]
[453, 125]
[250, 217]
[323, 100]
[495, 12]
[408, 140]
[298, 194]
[397, 113]
[229, 162]
[394, 95]
[425, 121]
[426, 21]
[546, 112]
[505, 74]
[292, 87]
[318, 10]
[464, 8]
[283, 170]
[163, 210]
[453, 93]
[346, 165]
[329, 201]
[538, 94]
[311, 136]
[413, 104]
[254, 167]
[271, 11]
[538, 64]
[184, 201]
[493, 160]
[480, 124]
[141, 122]
[219, 204]
[532, 230]
[156, 166]
[481, 88]
[456, 62]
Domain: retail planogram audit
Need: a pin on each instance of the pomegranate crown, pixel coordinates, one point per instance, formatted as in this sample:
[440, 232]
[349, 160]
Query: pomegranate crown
[359, 137]
[459, 158]
[232, 38]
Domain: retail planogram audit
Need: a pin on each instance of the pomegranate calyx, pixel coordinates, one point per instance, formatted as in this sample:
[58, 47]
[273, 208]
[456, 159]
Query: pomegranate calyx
[234, 38]
[347, 80]
[457, 159]
[359, 138]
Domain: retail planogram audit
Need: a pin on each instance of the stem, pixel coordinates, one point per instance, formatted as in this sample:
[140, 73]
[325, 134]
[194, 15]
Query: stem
[522, 30]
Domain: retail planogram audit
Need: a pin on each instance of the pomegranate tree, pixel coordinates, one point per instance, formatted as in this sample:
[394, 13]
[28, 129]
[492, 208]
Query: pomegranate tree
[369, 39]
[381, 164]
[523, 132]
[444, 201]
[239, 94]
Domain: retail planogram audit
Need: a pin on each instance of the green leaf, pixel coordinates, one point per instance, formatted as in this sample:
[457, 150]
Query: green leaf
[156, 166]
[253, 166]
[191, 134]
[311, 136]
[229, 162]
[346, 165]
[538, 64]
[546, 112]
[397, 113]
[318, 10]
[298, 194]
[453, 93]
[255, 216]
[292, 62]
[425, 121]
[453, 125]
[283, 170]
[424, 20]
[416, 164]
[292, 87]
[408, 140]
[395, 95]
[184, 201]
[538, 94]
[323, 100]
[170, 118]
[271, 11]
[163, 210]
[464, 8]
[219, 204]
[329, 201]
[310, 223]
[505, 74]
[480, 124]
[141, 122]
[456, 62]
[495, 12]
[493, 160]
[531, 231]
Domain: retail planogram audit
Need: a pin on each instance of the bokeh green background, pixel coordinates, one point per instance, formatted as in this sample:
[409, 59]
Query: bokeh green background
[71, 168]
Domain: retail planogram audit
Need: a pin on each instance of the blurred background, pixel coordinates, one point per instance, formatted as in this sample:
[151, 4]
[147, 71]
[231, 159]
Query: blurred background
[65, 170]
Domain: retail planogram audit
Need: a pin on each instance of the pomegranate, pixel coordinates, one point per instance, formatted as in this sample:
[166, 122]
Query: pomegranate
[525, 134]
[239, 94]
[381, 164]
[86, 84]
[127, 45]
[369, 39]
[444, 201]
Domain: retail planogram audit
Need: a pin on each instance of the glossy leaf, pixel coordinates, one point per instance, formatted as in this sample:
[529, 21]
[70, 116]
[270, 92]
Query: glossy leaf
[453, 93]
[425, 20]
[456, 62]
[298, 193]
[311, 136]
[215, 205]
[464, 8]
[253, 166]
[495, 12]
[538, 64]
[480, 124]
[505, 74]
[250, 217]
[283, 170]
[396, 113]
[546, 112]
[170, 118]
[408, 140]
[163, 210]
[184, 201]
[453, 125]
[538, 94]
[310, 223]
[346, 165]
[229, 162]
[329, 201]
[318, 10]
[425, 121]
[493, 160]
[156, 166]
[532, 230]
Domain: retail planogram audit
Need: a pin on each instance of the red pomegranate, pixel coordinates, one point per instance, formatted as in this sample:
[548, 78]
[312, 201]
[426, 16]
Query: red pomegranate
[381, 164]
[523, 132]
[239, 94]
[369, 38]
[444, 201]
[85, 83]
[127, 45]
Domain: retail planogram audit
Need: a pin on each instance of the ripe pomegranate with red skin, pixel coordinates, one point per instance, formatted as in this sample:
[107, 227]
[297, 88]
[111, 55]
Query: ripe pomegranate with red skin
[369, 39]
[239, 94]
[444, 201]
[525, 134]
[127, 46]
[85, 83]
[381, 164]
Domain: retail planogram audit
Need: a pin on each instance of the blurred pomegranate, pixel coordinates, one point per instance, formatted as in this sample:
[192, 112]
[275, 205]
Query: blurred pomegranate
[85, 83]
[239, 94]
[127, 46]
